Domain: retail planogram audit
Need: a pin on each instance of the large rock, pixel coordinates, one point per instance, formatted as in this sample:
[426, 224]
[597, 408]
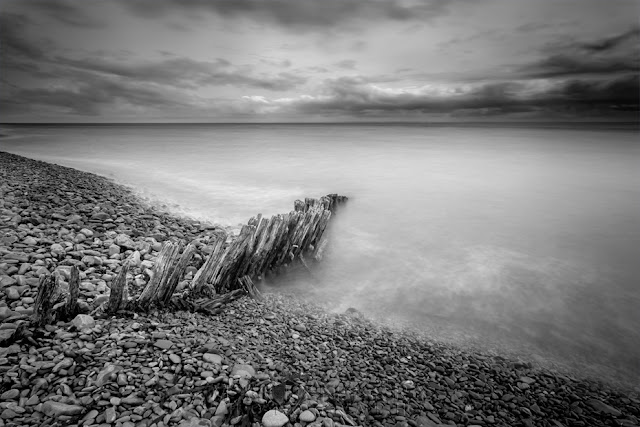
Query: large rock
[603, 407]
[195, 422]
[244, 371]
[274, 418]
[83, 321]
[107, 374]
[57, 409]
[124, 241]
[216, 359]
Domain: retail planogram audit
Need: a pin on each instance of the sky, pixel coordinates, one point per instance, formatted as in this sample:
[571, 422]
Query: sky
[319, 60]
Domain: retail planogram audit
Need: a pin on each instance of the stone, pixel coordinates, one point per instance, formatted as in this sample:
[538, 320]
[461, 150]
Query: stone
[274, 418]
[114, 250]
[244, 371]
[222, 408]
[57, 409]
[12, 293]
[106, 374]
[110, 415]
[300, 328]
[307, 416]
[175, 358]
[603, 407]
[10, 394]
[216, 359]
[57, 249]
[124, 241]
[163, 344]
[195, 422]
[83, 321]
[87, 232]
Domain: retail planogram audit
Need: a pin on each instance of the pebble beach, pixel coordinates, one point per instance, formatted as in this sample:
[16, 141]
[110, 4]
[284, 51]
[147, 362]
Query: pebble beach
[282, 361]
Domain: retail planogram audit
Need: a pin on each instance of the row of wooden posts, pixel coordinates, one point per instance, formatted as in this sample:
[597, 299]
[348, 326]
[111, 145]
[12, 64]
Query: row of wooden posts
[263, 245]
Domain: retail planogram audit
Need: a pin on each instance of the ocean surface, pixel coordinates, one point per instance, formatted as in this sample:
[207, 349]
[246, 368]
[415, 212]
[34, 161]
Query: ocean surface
[510, 238]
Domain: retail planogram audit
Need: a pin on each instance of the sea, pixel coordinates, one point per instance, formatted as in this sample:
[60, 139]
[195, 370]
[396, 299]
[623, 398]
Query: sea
[508, 238]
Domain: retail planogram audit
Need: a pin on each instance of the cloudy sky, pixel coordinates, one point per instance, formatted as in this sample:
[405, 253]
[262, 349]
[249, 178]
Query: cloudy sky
[318, 60]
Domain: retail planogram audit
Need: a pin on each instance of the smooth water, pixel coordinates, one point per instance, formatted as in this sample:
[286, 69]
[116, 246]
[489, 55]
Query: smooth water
[515, 238]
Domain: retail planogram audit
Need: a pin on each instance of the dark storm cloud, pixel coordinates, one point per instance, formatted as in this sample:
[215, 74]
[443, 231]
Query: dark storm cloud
[188, 73]
[84, 85]
[611, 55]
[65, 11]
[296, 13]
[87, 96]
[356, 97]
[12, 40]
[613, 42]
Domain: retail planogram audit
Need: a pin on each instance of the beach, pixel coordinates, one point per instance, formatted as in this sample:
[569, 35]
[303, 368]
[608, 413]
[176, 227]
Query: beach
[181, 368]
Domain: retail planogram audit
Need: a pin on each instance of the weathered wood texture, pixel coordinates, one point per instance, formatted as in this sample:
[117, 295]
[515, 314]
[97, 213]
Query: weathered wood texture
[266, 244]
[44, 302]
[117, 297]
[263, 244]
[71, 306]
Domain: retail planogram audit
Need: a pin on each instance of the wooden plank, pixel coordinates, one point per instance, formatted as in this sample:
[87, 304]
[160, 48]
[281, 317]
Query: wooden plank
[161, 273]
[118, 293]
[177, 272]
[44, 302]
[208, 269]
[71, 307]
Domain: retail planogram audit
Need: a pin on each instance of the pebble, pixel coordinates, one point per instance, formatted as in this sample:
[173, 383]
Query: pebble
[274, 418]
[164, 344]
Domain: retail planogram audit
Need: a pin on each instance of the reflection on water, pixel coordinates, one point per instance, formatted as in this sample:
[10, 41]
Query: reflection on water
[502, 237]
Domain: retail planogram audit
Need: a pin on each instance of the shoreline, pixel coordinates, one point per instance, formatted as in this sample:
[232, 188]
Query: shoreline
[353, 369]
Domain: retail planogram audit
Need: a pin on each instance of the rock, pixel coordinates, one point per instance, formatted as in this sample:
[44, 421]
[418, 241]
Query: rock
[175, 358]
[6, 312]
[216, 359]
[114, 250]
[222, 408]
[110, 415]
[195, 422]
[83, 321]
[57, 249]
[57, 409]
[244, 371]
[163, 344]
[300, 328]
[10, 394]
[106, 374]
[603, 407]
[124, 241]
[12, 293]
[87, 232]
[508, 397]
[274, 418]
[307, 416]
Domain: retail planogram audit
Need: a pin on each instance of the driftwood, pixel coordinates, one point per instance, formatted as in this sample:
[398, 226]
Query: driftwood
[71, 306]
[117, 299]
[44, 302]
[263, 245]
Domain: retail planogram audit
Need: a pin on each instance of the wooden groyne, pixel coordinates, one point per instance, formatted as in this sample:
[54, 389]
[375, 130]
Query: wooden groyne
[263, 245]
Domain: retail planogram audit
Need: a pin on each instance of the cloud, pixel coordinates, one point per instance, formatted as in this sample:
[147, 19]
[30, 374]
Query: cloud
[188, 73]
[66, 12]
[611, 55]
[358, 97]
[347, 64]
[609, 43]
[12, 39]
[296, 13]
[87, 96]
